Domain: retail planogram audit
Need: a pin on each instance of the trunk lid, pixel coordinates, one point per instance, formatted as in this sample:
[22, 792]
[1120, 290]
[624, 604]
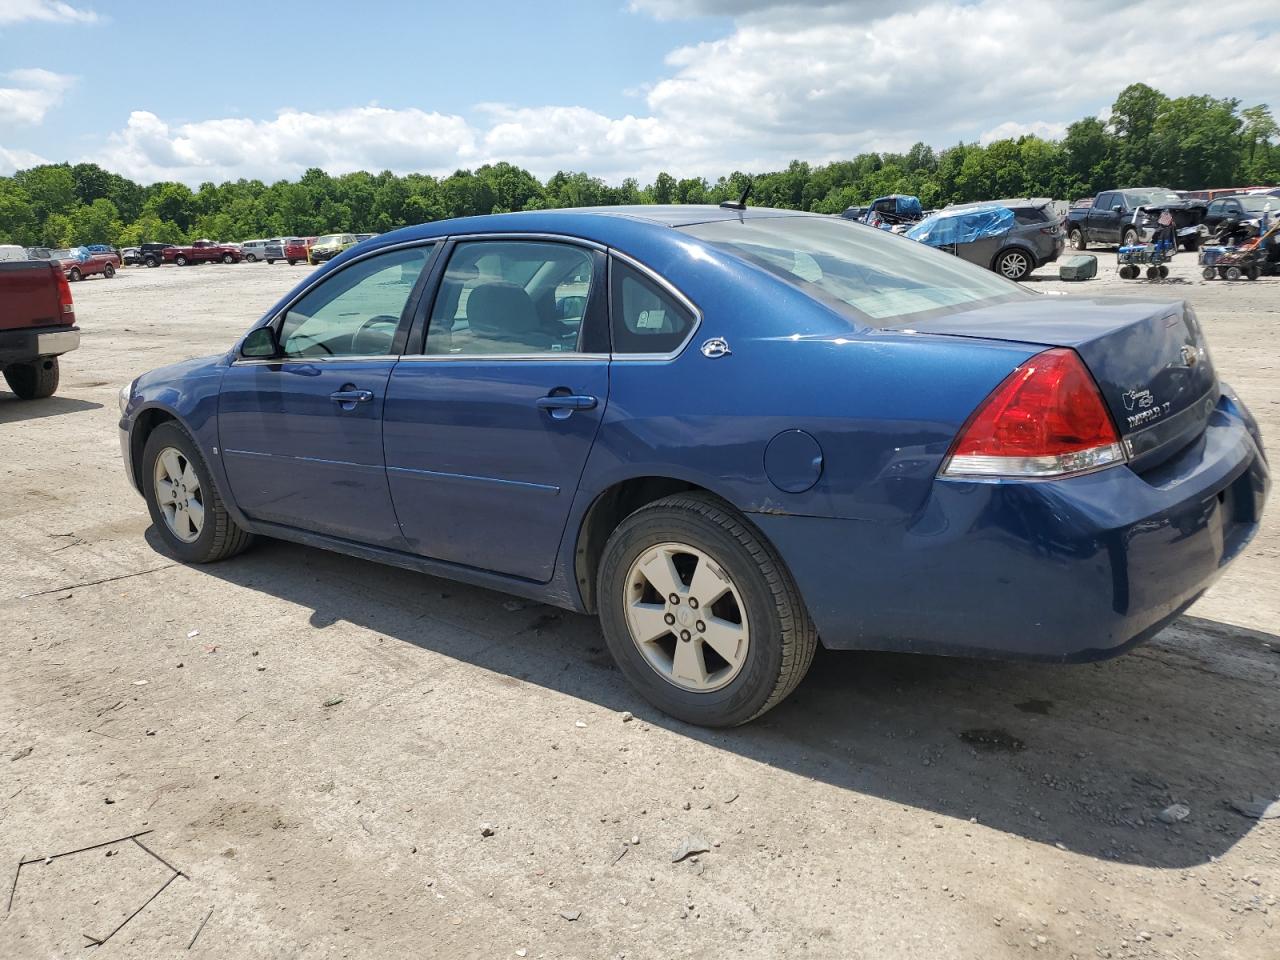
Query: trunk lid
[1149, 359]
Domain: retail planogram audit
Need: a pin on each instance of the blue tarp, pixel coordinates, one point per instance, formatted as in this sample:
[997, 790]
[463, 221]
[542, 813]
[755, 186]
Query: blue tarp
[904, 205]
[950, 227]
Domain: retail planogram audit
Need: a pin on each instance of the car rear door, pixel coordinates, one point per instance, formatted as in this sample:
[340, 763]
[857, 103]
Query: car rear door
[301, 432]
[491, 414]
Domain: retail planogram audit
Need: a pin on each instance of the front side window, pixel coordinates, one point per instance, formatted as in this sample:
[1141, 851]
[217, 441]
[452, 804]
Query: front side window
[879, 278]
[645, 318]
[354, 312]
[510, 297]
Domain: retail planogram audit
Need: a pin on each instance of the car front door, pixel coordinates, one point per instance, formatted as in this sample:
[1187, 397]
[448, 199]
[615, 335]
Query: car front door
[301, 431]
[488, 426]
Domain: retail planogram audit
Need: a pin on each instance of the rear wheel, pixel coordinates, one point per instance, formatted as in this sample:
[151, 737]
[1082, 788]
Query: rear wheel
[1076, 236]
[33, 381]
[269, 262]
[292, 262]
[1254, 273]
[251, 258]
[1014, 264]
[184, 502]
[700, 613]
[1233, 273]
[1130, 237]
[152, 262]
[180, 260]
[228, 258]
[1208, 273]
[109, 271]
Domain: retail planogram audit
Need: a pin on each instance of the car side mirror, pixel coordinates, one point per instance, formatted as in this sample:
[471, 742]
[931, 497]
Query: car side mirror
[1117, 208]
[260, 344]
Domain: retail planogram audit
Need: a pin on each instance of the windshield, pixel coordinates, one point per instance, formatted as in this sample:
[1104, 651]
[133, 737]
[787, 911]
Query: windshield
[1258, 204]
[325, 241]
[1144, 198]
[887, 280]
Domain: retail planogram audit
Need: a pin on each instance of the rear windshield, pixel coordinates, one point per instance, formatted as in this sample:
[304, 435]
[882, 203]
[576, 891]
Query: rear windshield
[887, 280]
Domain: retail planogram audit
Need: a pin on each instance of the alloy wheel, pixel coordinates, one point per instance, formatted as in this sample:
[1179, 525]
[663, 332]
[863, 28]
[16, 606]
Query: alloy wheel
[686, 617]
[1014, 265]
[178, 494]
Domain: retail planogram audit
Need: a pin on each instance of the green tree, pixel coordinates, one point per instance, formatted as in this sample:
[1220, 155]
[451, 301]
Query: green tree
[97, 222]
[18, 222]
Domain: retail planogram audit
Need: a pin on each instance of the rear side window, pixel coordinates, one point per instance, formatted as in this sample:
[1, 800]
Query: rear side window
[1029, 215]
[645, 318]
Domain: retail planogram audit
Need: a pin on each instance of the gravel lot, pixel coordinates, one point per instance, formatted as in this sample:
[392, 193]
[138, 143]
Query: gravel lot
[863, 818]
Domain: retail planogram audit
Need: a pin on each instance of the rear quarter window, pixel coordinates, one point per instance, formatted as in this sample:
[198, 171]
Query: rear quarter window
[645, 318]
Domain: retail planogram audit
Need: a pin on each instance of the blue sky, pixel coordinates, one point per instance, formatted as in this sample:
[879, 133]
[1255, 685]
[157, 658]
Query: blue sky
[196, 91]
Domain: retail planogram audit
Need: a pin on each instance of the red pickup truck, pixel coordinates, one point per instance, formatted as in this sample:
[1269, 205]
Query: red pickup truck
[202, 251]
[79, 262]
[37, 325]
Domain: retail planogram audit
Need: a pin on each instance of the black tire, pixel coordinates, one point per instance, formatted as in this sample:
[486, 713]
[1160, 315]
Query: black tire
[109, 271]
[220, 537]
[1233, 273]
[152, 262]
[270, 262]
[1253, 273]
[1129, 237]
[1163, 271]
[252, 258]
[1191, 243]
[1153, 273]
[1076, 236]
[782, 636]
[292, 262]
[33, 381]
[228, 258]
[1014, 263]
[180, 260]
[1208, 273]
[74, 275]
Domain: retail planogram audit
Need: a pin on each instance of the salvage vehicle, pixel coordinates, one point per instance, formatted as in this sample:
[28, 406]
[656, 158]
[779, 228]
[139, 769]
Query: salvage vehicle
[37, 325]
[153, 253]
[297, 248]
[1128, 217]
[202, 251]
[729, 432]
[1018, 236]
[329, 246]
[1237, 209]
[78, 263]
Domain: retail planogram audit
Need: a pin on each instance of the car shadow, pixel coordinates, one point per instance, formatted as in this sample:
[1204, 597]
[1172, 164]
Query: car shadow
[1084, 757]
[13, 410]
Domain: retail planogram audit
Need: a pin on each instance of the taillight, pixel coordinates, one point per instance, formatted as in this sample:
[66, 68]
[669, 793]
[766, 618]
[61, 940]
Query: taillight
[1046, 419]
[64, 297]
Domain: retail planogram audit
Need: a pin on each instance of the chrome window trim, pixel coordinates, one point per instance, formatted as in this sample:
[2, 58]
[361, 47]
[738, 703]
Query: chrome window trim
[544, 237]
[281, 361]
[456, 357]
[669, 288]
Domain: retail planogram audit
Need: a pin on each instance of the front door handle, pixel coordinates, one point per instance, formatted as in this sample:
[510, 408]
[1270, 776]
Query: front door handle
[349, 396]
[562, 406]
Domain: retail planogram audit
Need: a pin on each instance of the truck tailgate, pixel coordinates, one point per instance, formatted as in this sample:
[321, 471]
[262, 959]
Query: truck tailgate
[29, 295]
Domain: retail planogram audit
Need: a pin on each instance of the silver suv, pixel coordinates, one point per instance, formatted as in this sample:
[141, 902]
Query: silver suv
[1036, 238]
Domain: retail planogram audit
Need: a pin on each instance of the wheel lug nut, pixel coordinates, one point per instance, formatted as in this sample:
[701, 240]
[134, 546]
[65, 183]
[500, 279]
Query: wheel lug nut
[693, 602]
[702, 627]
[684, 635]
[674, 598]
[670, 619]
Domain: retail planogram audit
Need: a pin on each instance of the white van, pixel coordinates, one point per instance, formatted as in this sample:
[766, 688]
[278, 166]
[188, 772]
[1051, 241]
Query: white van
[10, 251]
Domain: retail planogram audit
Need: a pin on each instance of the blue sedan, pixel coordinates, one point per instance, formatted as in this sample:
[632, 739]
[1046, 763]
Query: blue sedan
[731, 433]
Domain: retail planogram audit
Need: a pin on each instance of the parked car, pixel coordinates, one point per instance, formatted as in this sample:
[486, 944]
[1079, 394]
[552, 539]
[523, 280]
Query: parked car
[78, 263]
[728, 432]
[39, 253]
[1030, 238]
[274, 249]
[131, 256]
[11, 251]
[254, 250]
[202, 251]
[37, 326]
[362, 237]
[297, 248]
[1238, 209]
[100, 248]
[329, 246]
[1266, 192]
[1126, 217]
[153, 253]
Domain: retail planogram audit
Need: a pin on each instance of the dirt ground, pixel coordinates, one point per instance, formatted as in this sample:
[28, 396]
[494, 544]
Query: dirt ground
[314, 742]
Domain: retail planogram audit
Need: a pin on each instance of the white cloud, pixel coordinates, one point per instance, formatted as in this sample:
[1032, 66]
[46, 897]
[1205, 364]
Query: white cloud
[48, 11]
[11, 160]
[811, 79]
[33, 94]
[1012, 130]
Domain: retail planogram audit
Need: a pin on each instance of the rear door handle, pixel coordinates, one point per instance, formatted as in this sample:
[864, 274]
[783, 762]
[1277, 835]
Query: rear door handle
[570, 402]
[349, 396]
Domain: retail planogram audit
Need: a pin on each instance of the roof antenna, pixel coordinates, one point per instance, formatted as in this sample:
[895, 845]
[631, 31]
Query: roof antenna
[741, 202]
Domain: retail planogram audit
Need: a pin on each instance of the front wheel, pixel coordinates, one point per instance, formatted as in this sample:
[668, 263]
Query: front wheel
[184, 502]
[251, 258]
[180, 260]
[700, 614]
[1076, 236]
[228, 258]
[1130, 237]
[292, 262]
[152, 262]
[33, 381]
[74, 275]
[109, 271]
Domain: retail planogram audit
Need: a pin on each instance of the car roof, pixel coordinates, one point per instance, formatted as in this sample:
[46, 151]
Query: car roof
[1007, 202]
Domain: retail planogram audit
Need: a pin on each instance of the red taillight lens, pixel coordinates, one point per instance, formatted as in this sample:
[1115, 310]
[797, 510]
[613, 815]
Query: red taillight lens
[1046, 419]
[64, 297]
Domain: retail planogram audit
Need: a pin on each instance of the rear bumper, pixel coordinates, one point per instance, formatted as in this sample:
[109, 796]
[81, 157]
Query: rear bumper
[1073, 569]
[22, 346]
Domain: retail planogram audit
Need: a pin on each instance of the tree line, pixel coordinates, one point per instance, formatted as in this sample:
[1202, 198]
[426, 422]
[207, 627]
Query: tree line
[1149, 139]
